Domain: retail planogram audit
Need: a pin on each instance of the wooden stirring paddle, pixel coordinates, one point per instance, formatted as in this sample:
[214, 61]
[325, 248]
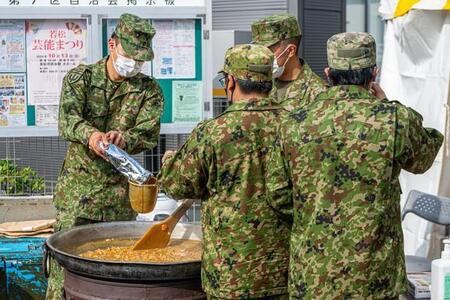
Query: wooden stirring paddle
[158, 236]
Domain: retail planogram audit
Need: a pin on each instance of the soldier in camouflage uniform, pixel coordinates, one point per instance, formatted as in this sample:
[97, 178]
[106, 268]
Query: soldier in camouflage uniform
[295, 83]
[245, 240]
[344, 153]
[109, 102]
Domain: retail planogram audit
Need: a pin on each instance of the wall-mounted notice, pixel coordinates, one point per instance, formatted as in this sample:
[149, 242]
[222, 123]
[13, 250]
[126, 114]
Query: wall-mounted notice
[12, 100]
[187, 101]
[47, 115]
[174, 47]
[53, 48]
[12, 46]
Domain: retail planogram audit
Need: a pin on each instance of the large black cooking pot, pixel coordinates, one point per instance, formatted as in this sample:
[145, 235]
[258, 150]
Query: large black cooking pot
[65, 246]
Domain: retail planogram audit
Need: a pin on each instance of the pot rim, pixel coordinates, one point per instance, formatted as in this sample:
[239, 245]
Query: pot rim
[54, 236]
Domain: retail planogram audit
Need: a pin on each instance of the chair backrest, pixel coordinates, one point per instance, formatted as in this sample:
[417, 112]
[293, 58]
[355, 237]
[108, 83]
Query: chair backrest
[432, 208]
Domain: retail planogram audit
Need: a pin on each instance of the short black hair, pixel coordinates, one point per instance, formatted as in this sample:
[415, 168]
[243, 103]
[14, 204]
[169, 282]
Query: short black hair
[248, 86]
[114, 36]
[350, 77]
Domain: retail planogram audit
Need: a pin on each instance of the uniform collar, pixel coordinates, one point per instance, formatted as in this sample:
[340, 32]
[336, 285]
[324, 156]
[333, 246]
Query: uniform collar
[99, 78]
[345, 91]
[298, 85]
[307, 72]
[250, 104]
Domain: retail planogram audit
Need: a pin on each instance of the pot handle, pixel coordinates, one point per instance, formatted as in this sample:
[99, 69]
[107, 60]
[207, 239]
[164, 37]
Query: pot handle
[46, 261]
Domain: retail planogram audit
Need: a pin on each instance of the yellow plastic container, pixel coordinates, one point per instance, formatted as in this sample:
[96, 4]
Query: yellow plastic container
[143, 196]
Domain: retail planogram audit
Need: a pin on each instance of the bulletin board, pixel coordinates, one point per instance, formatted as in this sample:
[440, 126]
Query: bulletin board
[187, 83]
[39, 46]
[35, 55]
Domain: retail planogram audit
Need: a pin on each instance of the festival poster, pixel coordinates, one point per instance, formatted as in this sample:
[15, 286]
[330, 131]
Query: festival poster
[53, 48]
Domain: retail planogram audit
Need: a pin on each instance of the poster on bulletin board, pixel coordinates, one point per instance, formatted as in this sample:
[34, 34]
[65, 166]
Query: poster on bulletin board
[12, 46]
[174, 46]
[35, 55]
[12, 100]
[187, 101]
[53, 48]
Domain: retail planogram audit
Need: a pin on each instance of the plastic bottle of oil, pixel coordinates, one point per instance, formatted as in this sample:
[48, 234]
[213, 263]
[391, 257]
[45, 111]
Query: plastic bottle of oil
[440, 275]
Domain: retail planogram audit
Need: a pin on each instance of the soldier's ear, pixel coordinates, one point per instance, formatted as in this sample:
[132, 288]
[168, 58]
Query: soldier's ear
[292, 50]
[327, 72]
[375, 73]
[111, 44]
[231, 82]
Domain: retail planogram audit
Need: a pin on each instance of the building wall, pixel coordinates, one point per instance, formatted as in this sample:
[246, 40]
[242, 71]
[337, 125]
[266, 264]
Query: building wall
[319, 19]
[238, 14]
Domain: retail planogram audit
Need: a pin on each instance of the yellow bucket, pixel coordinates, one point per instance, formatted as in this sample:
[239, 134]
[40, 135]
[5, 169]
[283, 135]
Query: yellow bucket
[143, 196]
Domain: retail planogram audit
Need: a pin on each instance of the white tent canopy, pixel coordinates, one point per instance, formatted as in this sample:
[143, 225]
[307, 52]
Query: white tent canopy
[416, 72]
[390, 9]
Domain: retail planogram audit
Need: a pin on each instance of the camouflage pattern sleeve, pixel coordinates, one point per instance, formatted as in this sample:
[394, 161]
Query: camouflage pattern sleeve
[72, 126]
[144, 135]
[185, 175]
[416, 147]
[279, 185]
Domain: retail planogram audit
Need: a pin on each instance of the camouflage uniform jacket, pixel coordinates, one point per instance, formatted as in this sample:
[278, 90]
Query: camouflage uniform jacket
[88, 186]
[344, 153]
[300, 91]
[245, 242]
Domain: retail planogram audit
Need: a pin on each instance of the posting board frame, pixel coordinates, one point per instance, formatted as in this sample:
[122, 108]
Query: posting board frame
[94, 17]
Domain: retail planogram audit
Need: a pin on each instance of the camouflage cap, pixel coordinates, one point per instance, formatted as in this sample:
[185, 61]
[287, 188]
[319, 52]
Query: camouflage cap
[135, 36]
[351, 51]
[270, 30]
[249, 62]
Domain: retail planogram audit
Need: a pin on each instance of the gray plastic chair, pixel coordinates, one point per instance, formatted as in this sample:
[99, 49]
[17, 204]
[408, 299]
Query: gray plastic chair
[432, 208]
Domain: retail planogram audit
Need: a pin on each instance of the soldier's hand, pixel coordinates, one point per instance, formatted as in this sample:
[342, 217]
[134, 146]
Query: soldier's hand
[94, 143]
[116, 138]
[168, 154]
[377, 91]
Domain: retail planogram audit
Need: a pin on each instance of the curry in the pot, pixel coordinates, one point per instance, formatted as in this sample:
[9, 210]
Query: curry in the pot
[178, 250]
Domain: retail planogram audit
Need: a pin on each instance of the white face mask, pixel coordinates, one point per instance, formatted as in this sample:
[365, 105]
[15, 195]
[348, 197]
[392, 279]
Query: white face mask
[277, 70]
[127, 67]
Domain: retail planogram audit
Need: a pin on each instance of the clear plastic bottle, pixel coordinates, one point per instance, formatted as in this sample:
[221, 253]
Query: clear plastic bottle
[440, 275]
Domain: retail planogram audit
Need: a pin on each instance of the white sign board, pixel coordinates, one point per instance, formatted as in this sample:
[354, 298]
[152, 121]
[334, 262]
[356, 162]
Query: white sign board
[174, 47]
[97, 3]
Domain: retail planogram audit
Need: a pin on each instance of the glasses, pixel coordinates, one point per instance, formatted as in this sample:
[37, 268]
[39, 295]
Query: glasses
[223, 80]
